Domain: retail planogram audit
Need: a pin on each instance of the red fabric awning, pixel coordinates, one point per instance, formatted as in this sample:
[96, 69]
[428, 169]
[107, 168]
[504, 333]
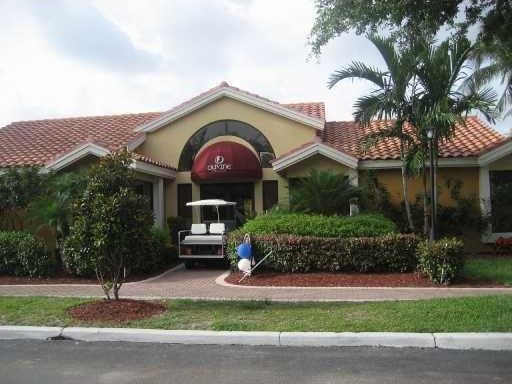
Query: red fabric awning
[226, 160]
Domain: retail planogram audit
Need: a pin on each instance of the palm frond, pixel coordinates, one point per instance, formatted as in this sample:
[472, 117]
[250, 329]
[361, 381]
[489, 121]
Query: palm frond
[359, 70]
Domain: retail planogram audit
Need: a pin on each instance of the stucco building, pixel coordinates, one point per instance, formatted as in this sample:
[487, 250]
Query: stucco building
[232, 144]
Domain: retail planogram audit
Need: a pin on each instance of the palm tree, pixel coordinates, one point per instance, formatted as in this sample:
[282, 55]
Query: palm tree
[323, 192]
[442, 102]
[494, 60]
[53, 209]
[392, 98]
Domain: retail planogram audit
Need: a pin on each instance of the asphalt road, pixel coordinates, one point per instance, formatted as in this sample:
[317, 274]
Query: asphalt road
[78, 362]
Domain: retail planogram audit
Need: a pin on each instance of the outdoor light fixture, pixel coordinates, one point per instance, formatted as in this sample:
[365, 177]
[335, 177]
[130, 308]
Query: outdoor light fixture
[430, 132]
[430, 135]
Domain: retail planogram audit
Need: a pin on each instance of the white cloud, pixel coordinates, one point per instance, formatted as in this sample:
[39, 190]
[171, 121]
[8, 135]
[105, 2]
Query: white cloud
[75, 57]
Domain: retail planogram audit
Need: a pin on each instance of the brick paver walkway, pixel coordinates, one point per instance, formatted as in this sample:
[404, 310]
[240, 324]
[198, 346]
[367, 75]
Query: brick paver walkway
[201, 283]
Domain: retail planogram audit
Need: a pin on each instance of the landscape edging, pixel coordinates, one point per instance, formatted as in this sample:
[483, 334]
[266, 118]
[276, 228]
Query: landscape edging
[461, 341]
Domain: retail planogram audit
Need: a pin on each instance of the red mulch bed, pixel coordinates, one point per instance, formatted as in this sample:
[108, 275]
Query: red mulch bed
[116, 311]
[339, 279]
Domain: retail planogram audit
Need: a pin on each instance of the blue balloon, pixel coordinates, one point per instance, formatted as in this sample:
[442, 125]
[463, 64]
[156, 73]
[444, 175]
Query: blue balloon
[244, 251]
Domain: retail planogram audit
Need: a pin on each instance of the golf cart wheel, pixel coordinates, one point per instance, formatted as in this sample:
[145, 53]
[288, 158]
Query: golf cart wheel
[189, 264]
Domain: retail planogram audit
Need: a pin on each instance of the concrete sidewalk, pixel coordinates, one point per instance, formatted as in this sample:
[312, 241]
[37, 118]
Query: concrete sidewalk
[208, 284]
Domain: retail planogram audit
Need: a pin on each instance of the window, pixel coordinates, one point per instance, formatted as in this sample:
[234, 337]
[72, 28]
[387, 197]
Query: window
[226, 128]
[501, 201]
[270, 194]
[184, 196]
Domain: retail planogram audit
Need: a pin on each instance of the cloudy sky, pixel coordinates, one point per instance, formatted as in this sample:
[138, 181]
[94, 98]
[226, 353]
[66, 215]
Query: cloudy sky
[72, 58]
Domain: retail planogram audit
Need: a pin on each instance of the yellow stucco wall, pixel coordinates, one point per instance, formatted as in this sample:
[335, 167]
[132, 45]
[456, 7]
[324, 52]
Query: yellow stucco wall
[504, 164]
[318, 162]
[167, 143]
[391, 180]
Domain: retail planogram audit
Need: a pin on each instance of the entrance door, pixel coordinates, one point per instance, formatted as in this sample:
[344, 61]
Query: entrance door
[241, 193]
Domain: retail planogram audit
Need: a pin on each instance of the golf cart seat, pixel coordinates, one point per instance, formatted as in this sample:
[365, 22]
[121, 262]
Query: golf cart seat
[198, 234]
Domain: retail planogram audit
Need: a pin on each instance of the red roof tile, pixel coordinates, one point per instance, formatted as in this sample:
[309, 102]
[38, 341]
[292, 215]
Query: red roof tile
[470, 139]
[38, 142]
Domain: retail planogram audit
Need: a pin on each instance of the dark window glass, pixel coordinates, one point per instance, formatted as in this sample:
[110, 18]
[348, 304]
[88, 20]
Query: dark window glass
[145, 188]
[501, 200]
[270, 194]
[184, 196]
[226, 128]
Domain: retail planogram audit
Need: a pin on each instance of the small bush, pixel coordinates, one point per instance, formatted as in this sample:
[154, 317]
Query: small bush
[21, 254]
[443, 260]
[390, 253]
[176, 224]
[300, 224]
[159, 254]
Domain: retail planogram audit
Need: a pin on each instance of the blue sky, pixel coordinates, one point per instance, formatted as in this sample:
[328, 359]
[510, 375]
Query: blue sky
[71, 57]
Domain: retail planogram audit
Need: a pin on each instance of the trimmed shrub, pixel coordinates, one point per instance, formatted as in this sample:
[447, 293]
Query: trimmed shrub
[21, 254]
[160, 254]
[300, 224]
[442, 260]
[390, 253]
[176, 224]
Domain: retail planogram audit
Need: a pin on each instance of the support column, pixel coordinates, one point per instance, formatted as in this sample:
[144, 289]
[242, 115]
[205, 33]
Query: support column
[353, 175]
[159, 202]
[484, 186]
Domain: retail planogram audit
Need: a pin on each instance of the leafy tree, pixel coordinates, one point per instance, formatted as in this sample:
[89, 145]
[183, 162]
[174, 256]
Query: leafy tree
[323, 192]
[406, 18]
[18, 188]
[392, 97]
[112, 223]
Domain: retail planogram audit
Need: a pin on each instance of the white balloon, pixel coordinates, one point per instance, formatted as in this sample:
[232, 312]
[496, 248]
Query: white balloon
[244, 265]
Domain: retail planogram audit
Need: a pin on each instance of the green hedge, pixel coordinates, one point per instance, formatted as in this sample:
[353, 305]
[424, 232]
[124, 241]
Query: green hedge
[442, 261]
[21, 254]
[389, 253]
[363, 225]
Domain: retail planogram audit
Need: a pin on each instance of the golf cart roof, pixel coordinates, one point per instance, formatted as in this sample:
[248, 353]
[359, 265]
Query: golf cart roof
[210, 203]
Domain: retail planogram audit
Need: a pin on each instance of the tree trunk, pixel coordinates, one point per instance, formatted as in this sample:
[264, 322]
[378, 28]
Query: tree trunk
[425, 202]
[405, 192]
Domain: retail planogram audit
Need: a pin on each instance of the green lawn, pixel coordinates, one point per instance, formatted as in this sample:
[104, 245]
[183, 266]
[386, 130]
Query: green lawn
[497, 270]
[479, 314]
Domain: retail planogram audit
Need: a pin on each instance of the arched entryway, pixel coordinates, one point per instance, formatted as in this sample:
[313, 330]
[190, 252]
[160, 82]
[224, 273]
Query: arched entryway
[227, 170]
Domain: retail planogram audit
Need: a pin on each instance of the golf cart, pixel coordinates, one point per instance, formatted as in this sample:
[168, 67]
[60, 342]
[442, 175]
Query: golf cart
[205, 240]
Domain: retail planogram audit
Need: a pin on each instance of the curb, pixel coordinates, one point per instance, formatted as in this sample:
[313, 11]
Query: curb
[458, 341]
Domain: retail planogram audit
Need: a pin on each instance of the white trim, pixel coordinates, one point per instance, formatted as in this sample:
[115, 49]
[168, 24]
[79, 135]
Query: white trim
[314, 149]
[158, 202]
[234, 94]
[443, 163]
[136, 143]
[77, 154]
[152, 169]
[496, 154]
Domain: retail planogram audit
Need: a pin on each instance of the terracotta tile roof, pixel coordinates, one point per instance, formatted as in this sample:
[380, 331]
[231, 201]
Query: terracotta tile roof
[316, 110]
[38, 142]
[471, 139]
[149, 160]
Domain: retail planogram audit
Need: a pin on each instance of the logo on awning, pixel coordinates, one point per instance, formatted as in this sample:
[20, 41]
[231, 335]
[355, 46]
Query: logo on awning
[219, 165]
